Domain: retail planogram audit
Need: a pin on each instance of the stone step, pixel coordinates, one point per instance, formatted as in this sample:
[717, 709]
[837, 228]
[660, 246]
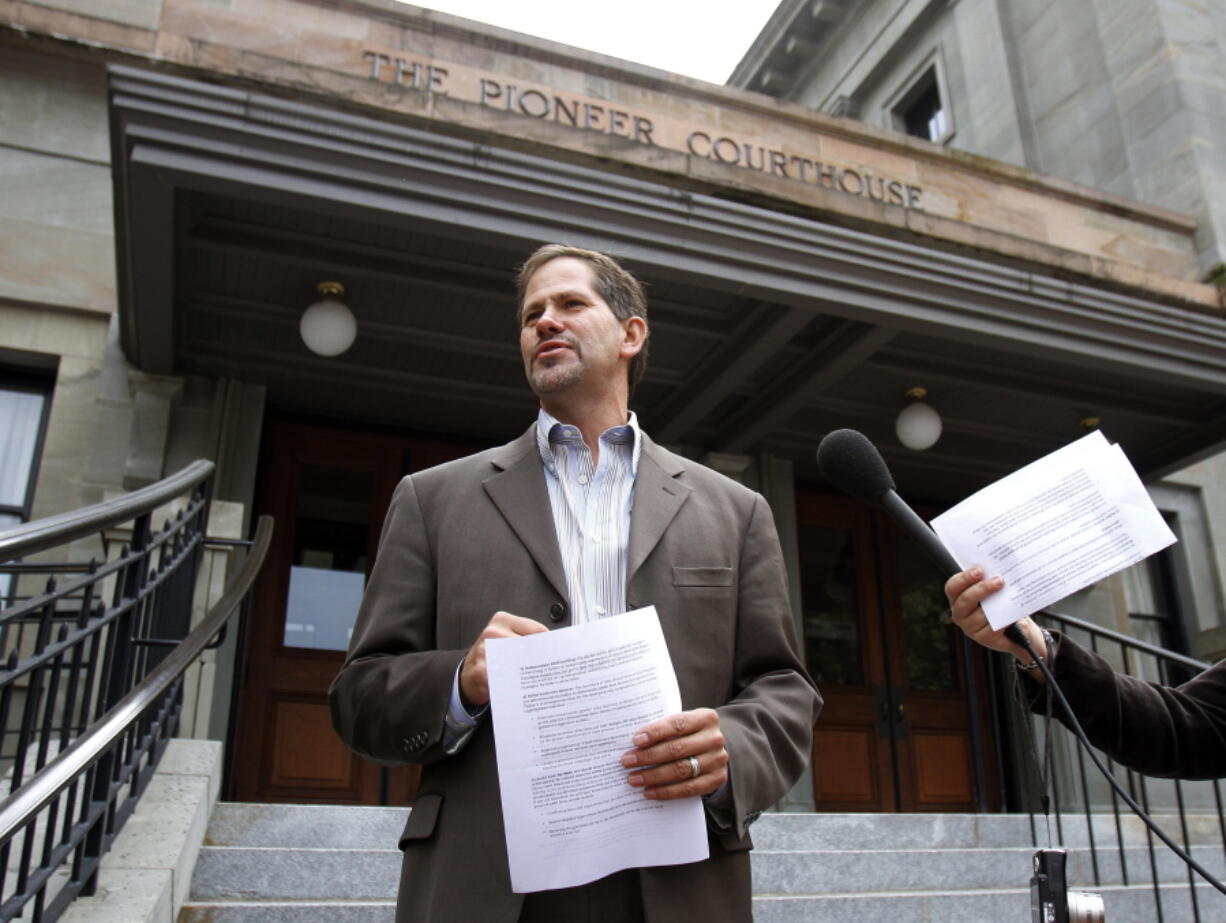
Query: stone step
[811, 872]
[253, 911]
[921, 831]
[239, 872]
[1134, 904]
[313, 826]
[1123, 905]
[344, 827]
[299, 863]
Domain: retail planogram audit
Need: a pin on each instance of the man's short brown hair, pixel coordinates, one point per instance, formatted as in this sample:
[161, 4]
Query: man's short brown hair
[621, 291]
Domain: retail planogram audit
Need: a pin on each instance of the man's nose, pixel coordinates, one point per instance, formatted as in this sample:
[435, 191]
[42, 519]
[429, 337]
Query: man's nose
[548, 320]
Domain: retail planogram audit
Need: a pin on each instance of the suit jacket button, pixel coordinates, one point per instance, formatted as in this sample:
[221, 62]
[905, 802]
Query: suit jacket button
[557, 612]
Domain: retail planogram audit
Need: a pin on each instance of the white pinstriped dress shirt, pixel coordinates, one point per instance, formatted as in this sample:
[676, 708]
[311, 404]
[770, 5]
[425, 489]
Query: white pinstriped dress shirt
[591, 511]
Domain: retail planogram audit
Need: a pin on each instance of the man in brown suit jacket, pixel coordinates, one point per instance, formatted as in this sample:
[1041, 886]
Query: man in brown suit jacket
[471, 550]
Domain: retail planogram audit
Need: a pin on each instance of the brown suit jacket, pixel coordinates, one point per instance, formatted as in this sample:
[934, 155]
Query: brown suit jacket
[471, 537]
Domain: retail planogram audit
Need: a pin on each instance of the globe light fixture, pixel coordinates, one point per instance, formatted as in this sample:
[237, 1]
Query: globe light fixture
[328, 327]
[918, 425]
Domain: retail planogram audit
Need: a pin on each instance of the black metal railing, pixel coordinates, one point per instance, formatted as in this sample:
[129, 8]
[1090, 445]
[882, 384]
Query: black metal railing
[95, 635]
[1121, 850]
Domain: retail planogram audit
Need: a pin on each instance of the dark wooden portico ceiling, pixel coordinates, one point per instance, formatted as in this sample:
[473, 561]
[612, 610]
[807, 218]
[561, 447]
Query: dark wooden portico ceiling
[768, 329]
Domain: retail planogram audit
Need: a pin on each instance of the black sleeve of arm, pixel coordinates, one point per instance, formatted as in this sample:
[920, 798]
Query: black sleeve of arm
[1173, 732]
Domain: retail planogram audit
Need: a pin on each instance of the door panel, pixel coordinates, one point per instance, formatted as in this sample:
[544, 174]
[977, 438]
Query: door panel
[941, 763]
[851, 768]
[852, 759]
[328, 490]
[894, 734]
[323, 765]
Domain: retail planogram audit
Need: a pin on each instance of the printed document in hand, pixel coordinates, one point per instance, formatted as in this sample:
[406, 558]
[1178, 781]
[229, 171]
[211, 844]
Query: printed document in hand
[1060, 524]
[566, 705]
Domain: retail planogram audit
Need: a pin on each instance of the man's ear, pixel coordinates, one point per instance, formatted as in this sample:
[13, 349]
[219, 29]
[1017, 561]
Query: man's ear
[634, 337]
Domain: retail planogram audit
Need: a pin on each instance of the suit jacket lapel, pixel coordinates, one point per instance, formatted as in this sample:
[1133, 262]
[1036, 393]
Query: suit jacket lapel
[517, 488]
[658, 495]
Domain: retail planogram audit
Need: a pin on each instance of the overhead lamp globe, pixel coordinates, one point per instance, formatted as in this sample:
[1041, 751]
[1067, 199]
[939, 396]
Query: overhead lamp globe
[328, 327]
[918, 426]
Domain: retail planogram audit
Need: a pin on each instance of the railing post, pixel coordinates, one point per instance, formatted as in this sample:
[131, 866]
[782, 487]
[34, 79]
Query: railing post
[116, 682]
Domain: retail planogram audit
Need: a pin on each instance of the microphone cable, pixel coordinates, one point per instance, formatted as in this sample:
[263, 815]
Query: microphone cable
[1017, 637]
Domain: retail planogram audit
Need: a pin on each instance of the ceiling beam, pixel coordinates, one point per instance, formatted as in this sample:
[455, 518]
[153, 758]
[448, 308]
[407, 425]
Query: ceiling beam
[763, 331]
[330, 255]
[835, 357]
[990, 376]
[230, 308]
[242, 361]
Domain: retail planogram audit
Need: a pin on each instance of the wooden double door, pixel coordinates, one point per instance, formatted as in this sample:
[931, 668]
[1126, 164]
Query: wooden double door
[895, 732]
[328, 490]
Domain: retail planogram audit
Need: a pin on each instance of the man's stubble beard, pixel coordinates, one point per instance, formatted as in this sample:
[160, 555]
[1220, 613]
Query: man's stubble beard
[555, 378]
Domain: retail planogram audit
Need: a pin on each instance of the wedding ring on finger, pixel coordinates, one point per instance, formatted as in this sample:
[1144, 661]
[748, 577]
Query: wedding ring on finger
[695, 769]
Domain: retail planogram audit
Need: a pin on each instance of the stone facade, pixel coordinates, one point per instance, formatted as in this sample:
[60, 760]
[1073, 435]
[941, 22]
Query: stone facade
[1124, 97]
[113, 427]
[425, 66]
[57, 260]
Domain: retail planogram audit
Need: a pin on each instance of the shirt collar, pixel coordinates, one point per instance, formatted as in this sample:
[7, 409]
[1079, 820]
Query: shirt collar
[549, 431]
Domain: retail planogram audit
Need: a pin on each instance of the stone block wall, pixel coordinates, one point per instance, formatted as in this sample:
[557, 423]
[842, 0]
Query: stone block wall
[1128, 96]
[111, 428]
[1124, 96]
[57, 260]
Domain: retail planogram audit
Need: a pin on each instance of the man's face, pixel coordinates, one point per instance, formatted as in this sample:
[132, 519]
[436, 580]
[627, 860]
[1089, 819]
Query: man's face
[569, 337]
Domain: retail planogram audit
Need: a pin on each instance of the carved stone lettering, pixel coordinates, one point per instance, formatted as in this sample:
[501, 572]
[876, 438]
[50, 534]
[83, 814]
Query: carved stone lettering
[543, 103]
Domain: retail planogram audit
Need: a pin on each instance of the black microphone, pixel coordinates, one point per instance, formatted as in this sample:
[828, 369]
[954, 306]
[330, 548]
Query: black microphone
[850, 462]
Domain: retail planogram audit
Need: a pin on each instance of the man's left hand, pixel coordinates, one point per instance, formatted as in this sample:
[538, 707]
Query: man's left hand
[661, 761]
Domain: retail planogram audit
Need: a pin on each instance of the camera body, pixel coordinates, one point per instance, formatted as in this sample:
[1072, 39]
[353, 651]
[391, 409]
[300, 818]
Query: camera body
[1050, 899]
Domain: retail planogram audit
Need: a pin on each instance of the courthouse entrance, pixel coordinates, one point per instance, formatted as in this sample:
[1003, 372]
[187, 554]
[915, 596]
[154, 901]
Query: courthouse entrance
[895, 732]
[774, 321]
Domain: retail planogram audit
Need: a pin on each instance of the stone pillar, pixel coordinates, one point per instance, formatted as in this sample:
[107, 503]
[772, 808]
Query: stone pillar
[239, 420]
[200, 685]
[111, 424]
[777, 483]
[774, 478]
[239, 423]
[152, 401]
[736, 467]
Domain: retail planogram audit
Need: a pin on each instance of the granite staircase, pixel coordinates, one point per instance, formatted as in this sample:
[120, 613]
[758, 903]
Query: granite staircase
[295, 863]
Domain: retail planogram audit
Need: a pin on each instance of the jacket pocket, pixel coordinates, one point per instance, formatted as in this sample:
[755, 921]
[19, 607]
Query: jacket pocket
[702, 576]
[423, 817]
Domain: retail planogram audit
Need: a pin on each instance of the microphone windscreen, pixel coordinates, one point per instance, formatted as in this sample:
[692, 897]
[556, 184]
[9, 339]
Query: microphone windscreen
[852, 464]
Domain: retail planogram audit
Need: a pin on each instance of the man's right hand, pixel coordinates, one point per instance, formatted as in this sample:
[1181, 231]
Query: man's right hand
[474, 680]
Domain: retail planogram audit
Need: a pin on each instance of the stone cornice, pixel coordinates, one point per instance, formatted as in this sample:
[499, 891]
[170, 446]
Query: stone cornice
[718, 140]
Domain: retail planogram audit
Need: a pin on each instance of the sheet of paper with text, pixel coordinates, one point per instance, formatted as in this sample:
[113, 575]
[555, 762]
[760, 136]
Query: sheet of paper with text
[1055, 526]
[565, 706]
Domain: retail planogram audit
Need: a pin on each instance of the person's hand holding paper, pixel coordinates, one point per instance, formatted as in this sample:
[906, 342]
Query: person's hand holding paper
[566, 704]
[1057, 525]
